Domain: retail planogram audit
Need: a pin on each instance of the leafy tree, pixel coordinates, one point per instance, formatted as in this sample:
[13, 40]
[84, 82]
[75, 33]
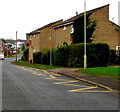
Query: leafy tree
[78, 35]
[3, 40]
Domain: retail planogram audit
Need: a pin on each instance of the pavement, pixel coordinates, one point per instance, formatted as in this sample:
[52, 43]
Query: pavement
[101, 81]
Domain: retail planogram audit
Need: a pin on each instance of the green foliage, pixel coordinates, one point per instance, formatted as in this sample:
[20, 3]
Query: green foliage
[3, 40]
[78, 35]
[37, 57]
[76, 55]
[114, 58]
[97, 54]
[60, 56]
[45, 56]
[42, 57]
[25, 55]
[73, 55]
[104, 71]
[39, 66]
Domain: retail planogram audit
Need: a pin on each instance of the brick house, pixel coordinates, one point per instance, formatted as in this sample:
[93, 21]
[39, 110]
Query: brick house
[105, 32]
[41, 38]
[57, 33]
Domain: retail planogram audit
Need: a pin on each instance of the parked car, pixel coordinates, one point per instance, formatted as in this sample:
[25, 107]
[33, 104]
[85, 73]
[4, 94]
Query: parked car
[1, 56]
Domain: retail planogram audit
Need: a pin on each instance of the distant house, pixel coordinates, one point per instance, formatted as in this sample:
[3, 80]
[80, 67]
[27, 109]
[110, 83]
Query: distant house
[2, 47]
[57, 33]
[12, 43]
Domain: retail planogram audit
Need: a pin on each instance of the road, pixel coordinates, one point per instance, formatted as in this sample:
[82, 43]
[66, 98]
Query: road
[25, 88]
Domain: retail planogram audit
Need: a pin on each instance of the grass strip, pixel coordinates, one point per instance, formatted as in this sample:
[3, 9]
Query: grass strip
[39, 66]
[102, 71]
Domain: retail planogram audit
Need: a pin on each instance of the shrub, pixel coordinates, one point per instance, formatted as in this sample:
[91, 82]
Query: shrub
[25, 55]
[76, 55]
[45, 56]
[114, 58]
[37, 57]
[97, 54]
[73, 55]
[60, 56]
[42, 57]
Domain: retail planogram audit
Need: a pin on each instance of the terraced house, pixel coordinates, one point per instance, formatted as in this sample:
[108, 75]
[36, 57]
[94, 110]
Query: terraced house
[41, 38]
[57, 33]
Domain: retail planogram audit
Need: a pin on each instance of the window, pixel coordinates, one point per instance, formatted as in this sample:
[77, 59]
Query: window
[72, 29]
[64, 28]
[118, 50]
[30, 37]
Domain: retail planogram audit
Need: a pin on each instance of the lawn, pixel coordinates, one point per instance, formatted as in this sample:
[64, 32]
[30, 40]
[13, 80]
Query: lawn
[40, 66]
[101, 71]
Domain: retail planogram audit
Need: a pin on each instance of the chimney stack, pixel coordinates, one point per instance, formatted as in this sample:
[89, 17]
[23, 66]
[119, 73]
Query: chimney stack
[76, 13]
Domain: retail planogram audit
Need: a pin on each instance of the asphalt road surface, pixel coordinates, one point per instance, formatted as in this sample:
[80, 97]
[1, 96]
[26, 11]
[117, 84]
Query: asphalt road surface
[25, 88]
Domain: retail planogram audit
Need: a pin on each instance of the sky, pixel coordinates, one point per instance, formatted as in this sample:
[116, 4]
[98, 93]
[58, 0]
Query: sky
[25, 16]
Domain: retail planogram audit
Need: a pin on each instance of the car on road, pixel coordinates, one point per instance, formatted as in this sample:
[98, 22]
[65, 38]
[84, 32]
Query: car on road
[1, 56]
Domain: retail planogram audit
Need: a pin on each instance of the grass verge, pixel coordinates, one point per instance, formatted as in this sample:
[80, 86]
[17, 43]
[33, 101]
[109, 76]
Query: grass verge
[39, 66]
[102, 71]
[9, 56]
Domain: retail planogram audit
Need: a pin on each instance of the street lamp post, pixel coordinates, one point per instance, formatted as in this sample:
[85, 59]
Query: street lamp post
[50, 51]
[85, 56]
[16, 45]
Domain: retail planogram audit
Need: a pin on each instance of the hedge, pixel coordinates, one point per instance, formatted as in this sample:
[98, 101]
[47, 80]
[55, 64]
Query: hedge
[73, 55]
[41, 57]
[60, 56]
[25, 55]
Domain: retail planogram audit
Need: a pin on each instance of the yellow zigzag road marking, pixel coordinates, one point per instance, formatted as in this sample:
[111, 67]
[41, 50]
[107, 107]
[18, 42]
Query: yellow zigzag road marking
[95, 91]
[67, 83]
[77, 90]
[51, 75]
[56, 79]
[30, 70]
[35, 73]
[45, 71]
[57, 74]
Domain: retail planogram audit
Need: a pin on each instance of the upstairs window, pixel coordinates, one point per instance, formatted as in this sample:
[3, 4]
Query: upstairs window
[64, 28]
[118, 50]
[72, 29]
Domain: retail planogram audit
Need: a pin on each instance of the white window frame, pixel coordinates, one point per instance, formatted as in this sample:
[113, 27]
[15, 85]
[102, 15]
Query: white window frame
[72, 29]
[118, 50]
[64, 28]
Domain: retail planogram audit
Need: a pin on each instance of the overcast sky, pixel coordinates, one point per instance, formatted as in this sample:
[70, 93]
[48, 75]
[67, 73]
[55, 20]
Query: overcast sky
[25, 16]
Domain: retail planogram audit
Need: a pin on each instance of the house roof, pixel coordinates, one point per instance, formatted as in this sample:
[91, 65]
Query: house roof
[118, 28]
[38, 30]
[72, 19]
[14, 41]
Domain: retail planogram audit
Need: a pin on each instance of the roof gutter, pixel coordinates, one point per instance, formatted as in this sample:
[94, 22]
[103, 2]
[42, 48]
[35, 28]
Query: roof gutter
[63, 25]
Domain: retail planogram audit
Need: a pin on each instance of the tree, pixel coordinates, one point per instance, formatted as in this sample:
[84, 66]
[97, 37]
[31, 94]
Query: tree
[78, 35]
[3, 40]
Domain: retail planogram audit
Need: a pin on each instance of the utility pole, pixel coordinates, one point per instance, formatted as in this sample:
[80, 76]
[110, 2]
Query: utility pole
[16, 45]
[85, 56]
[50, 41]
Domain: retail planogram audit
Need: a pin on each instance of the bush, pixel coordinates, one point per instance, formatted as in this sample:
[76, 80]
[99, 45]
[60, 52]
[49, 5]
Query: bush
[98, 55]
[76, 55]
[25, 55]
[60, 56]
[37, 57]
[114, 58]
[42, 57]
[45, 56]
[73, 55]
